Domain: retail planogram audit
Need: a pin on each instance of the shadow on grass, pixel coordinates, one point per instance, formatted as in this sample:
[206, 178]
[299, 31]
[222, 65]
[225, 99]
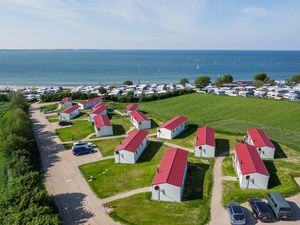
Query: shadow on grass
[191, 128]
[118, 129]
[279, 153]
[111, 115]
[154, 124]
[80, 115]
[274, 180]
[193, 188]
[222, 147]
[151, 150]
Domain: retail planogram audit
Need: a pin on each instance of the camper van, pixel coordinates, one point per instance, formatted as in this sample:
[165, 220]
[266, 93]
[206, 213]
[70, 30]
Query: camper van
[279, 205]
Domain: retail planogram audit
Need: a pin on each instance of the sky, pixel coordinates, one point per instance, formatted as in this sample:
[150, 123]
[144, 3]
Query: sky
[150, 24]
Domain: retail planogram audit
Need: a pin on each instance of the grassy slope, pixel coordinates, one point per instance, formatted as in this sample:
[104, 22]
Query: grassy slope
[108, 146]
[49, 107]
[234, 114]
[140, 209]
[3, 108]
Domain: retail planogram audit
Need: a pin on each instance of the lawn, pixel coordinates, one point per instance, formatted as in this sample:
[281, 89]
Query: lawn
[53, 118]
[227, 167]
[281, 180]
[121, 124]
[79, 130]
[3, 108]
[194, 209]
[108, 146]
[234, 114]
[123, 177]
[117, 105]
[49, 107]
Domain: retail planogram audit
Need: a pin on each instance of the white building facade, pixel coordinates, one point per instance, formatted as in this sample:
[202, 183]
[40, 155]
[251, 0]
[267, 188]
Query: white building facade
[172, 128]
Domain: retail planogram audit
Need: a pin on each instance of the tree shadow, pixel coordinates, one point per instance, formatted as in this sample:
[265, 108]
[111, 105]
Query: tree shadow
[193, 187]
[71, 208]
[191, 128]
[274, 180]
[279, 153]
[150, 151]
[118, 129]
[111, 115]
[222, 147]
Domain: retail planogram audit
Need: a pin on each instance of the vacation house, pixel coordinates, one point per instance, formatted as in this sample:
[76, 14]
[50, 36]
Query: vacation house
[205, 142]
[261, 142]
[69, 113]
[101, 110]
[140, 120]
[102, 126]
[66, 102]
[168, 183]
[98, 105]
[130, 108]
[87, 104]
[250, 168]
[132, 147]
[172, 128]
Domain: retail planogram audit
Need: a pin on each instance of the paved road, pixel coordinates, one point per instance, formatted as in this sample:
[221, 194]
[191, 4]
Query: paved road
[76, 202]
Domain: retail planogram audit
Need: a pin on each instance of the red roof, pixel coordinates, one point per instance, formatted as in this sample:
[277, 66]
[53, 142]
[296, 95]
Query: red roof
[259, 138]
[132, 107]
[67, 99]
[91, 100]
[133, 141]
[172, 167]
[100, 121]
[249, 160]
[139, 116]
[99, 109]
[205, 136]
[71, 109]
[99, 104]
[175, 122]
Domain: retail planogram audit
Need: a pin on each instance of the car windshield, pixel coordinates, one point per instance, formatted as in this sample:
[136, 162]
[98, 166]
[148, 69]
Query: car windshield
[237, 209]
[262, 207]
[238, 217]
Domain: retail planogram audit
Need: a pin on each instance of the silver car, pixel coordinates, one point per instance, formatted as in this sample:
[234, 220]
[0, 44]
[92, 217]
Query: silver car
[236, 213]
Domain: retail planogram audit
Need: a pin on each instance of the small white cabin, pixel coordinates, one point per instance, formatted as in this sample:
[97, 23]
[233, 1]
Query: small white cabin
[102, 126]
[140, 121]
[205, 142]
[90, 103]
[69, 113]
[172, 128]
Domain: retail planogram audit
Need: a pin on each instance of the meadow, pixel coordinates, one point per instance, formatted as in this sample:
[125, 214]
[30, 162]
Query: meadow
[3, 108]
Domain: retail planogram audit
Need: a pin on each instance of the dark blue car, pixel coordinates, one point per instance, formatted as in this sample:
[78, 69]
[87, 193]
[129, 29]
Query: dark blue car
[80, 150]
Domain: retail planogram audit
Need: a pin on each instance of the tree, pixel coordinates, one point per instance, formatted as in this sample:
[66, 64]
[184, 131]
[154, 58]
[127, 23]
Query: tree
[227, 78]
[127, 82]
[260, 77]
[17, 100]
[202, 81]
[184, 81]
[102, 90]
[293, 80]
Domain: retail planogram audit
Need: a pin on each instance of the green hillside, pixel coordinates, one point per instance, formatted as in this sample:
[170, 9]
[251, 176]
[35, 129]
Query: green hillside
[3, 108]
[281, 119]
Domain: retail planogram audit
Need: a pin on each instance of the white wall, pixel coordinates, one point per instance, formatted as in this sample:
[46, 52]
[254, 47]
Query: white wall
[130, 157]
[144, 125]
[89, 105]
[167, 134]
[68, 117]
[104, 131]
[265, 152]
[166, 192]
[256, 181]
[91, 116]
[205, 151]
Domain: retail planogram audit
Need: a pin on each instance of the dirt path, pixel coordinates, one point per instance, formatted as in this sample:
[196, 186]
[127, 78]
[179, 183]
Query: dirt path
[218, 213]
[75, 200]
[126, 194]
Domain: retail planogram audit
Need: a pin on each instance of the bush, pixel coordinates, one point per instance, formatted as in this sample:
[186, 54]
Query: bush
[202, 81]
[127, 82]
[60, 95]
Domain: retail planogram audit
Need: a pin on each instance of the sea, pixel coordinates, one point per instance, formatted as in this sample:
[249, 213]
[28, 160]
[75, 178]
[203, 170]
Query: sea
[112, 67]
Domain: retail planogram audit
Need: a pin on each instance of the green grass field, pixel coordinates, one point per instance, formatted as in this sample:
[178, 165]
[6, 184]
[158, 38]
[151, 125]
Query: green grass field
[194, 209]
[281, 180]
[234, 114]
[49, 107]
[227, 167]
[108, 146]
[53, 118]
[121, 124]
[79, 130]
[123, 177]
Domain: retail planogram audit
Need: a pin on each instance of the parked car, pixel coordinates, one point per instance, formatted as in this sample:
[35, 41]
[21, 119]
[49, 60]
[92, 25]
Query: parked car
[48, 111]
[280, 207]
[236, 213]
[261, 210]
[83, 143]
[64, 123]
[80, 150]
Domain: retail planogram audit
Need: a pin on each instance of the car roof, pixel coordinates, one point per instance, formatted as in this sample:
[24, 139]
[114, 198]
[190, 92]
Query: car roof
[262, 206]
[279, 199]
